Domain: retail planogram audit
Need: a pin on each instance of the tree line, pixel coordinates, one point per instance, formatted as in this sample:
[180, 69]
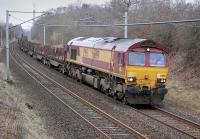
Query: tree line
[182, 40]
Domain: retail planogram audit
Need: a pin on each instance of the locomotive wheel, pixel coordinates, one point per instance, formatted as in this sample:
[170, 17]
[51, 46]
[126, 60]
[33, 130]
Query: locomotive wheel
[63, 71]
[120, 96]
[43, 61]
[124, 101]
[115, 97]
[70, 73]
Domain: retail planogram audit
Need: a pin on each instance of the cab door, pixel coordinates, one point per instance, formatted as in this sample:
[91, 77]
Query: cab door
[119, 63]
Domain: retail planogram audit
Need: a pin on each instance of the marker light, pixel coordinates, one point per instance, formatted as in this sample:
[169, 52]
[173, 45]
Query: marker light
[131, 79]
[148, 49]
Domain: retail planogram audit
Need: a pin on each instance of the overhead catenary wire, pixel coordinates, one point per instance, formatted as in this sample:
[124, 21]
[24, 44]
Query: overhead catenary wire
[29, 20]
[162, 22]
[111, 25]
[94, 25]
[7, 36]
[17, 18]
[42, 24]
[148, 23]
[23, 12]
[134, 24]
[24, 20]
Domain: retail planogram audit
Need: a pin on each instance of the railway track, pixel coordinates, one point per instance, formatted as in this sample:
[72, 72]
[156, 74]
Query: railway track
[107, 125]
[171, 120]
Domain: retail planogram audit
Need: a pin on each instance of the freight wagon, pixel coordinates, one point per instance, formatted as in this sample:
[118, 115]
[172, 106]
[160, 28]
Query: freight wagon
[131, 70]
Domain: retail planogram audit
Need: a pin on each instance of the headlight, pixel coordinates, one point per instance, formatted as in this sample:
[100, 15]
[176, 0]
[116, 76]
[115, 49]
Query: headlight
[161, 80]
[131, 79]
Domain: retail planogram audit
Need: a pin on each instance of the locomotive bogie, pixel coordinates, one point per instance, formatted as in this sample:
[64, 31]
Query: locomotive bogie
[131, 70]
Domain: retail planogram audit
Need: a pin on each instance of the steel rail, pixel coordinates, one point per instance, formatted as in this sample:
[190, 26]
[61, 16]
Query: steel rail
[165, 112]
[167, 124]
[179, 117]
[111, 118]
[184, 120]
[96, 128]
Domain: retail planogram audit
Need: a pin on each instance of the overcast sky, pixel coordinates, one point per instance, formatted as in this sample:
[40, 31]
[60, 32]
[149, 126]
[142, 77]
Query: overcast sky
[40, 5]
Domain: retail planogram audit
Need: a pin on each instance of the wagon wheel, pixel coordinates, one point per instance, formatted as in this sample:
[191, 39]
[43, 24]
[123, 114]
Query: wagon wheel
[61, 69]
[107, 92]
[81, 80]
[49, 64]
[101, 89]
[67, 73]
[76, 78]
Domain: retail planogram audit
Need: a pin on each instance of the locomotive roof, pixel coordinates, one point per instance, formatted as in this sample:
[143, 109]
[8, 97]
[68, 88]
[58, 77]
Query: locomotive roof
[107, 43]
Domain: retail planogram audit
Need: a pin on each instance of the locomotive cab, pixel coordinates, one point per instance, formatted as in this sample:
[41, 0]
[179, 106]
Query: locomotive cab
[132, 70]
[146, 73]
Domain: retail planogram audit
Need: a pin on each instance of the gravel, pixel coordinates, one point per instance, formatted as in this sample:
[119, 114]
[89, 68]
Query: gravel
[143, 124]
[60, 121]
[183, 112]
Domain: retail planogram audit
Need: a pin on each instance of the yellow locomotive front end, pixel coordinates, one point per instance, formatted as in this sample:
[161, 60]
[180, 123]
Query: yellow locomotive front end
[146, 75]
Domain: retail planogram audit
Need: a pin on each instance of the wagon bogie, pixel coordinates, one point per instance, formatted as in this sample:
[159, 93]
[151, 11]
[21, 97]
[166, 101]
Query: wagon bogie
[131, 70]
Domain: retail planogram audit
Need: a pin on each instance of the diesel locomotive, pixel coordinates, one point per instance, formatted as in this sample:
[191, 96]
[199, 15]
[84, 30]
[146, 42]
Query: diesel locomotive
[131, 70]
